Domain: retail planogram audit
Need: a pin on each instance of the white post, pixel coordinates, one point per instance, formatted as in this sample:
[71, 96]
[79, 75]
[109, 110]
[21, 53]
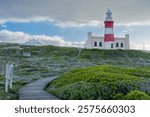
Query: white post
[11, 75]
[7, 78]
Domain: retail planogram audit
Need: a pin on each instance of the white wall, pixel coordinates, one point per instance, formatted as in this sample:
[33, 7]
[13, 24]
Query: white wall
[106, 45]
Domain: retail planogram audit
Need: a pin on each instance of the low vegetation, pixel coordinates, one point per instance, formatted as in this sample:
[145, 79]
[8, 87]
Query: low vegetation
[137, 95]
[1, 78]
[129, 69]
[12, 93]
[101, 82]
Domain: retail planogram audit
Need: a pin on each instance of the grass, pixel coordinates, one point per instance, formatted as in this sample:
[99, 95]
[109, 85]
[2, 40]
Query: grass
[51, 51]
[137, 95]
[1, 78]
[128, 58]
[48, 61]
[102, 54]
[27, 69]
[12, 93]
[98, 82]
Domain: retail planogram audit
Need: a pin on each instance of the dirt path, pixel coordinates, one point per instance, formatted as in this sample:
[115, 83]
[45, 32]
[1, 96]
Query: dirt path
[34, 90]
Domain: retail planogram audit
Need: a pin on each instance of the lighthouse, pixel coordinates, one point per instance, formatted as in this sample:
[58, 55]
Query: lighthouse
[109, 31]
[108, 41]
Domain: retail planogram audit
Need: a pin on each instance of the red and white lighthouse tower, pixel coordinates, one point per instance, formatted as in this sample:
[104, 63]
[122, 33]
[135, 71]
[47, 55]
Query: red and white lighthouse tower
[109, 32]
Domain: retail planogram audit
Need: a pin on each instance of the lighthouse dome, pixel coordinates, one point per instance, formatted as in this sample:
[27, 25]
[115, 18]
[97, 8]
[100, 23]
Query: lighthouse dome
[108, 11]
[108, 15]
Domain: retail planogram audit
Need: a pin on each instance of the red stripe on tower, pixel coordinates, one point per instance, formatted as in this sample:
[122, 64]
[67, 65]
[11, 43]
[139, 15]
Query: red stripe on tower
[109, 33]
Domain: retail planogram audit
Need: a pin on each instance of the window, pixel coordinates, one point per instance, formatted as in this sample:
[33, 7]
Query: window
[112, 46]
[95, 43]
[117, 44]
[122, 45]
[100, 44]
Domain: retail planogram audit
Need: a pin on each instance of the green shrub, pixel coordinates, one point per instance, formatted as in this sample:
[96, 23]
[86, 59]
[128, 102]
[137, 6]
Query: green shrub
[1, 77]
[98, 82]
[119, 96]
[12, 93]
[113, 54]
[137, 95]
[78, 91]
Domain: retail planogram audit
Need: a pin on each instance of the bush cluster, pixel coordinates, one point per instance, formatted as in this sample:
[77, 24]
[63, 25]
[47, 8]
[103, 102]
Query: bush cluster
[100, 82]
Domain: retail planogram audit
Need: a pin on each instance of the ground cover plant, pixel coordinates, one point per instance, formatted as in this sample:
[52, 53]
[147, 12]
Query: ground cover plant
[47, 61]
[12, 93]
[102, 82]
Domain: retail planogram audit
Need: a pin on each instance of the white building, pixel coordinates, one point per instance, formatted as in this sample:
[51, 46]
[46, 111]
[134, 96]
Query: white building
[26, 54]
[109, 41]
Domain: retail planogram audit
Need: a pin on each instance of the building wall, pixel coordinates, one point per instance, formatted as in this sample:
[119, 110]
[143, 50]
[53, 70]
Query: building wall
[90, 43]
[96, 42]
[121, 43]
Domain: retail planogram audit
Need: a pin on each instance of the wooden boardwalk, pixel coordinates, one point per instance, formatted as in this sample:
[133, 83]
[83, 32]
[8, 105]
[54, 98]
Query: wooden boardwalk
[34, 90]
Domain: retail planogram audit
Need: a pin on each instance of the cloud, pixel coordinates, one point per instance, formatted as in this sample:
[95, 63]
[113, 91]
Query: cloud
[47, 40]
[20, 37]
[92, 23]
[78, 11]
[14, 37]
[143, 46]
[74, 44]
[28, 20]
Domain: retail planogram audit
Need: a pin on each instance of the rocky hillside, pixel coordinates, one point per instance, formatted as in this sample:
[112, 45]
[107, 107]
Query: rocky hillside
[51, 60]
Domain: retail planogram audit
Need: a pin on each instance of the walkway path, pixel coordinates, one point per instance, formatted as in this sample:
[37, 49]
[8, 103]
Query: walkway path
[34, 90]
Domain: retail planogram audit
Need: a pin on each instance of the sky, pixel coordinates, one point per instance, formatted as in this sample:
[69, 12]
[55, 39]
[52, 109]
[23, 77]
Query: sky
[66, 22]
